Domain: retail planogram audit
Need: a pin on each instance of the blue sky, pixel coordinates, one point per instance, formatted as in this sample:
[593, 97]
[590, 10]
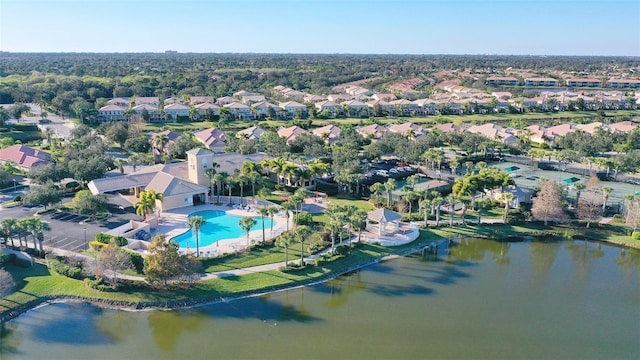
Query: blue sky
[543, 27]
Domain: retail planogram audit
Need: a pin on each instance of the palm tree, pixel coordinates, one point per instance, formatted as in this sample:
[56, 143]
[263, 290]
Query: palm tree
[578, 187]
[8, 227]
[263, 212]
[408, 196]
[412, 181]
[424, 206]
[219, 179]
[284, 240]
[37, 228]
[246, 223]
[436, 202]
[301, 233]
[606, 191]
[389, 186]
[229, 183]
[160, 142]
[451, 199]
[196, 223]
[120, 163]
[211, 173]
[271, 211]
[241, 179]
[287, 206]
[147, 202]
[375, 189]
[506, 198]
[359, 218]
[133, 160]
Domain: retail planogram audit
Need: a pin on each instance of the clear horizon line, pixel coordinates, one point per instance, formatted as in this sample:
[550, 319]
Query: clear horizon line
[173, 52]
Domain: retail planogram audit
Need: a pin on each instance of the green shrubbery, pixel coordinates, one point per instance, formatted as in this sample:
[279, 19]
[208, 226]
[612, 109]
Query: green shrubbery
[65, 267]
[106, 239]
[137, 260]
[635, 235]
[97, 284]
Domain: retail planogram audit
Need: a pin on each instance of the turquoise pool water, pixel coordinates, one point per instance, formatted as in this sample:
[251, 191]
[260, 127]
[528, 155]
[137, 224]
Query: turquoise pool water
[218, 226]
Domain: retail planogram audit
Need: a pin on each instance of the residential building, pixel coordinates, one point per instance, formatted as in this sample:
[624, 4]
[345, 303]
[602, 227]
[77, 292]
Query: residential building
[623, 126]
[251, 133]
[329, 133]
[214, 139]
[176, 110]
[112, 112]
[261, 109]
[541, 81]
[251, 99]
[502, 81]
[374, 131]
[294, 108]
[195, 100]
[239, 110]
[623, 84]
[291, 133]
[24, 157]
[494, 132]
[205, 107]
[388, 97]
[584, 82]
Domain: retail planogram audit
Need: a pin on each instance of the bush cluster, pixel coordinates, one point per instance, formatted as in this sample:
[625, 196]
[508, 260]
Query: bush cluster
[137, 260]
[97, 284]
[106, 239]
[635, 235]
[58, 265]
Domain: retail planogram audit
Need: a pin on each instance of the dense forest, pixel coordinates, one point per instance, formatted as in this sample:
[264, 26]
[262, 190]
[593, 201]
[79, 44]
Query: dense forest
[72, 83]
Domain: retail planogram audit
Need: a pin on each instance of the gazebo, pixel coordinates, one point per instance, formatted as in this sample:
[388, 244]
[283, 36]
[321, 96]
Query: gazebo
[384, 217]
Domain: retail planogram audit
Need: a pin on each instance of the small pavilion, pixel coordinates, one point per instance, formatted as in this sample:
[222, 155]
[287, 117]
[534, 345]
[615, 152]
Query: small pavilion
[384, 218]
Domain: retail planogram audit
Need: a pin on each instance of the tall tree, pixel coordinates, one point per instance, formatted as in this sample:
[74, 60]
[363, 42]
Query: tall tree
[196, 223]
[300, 234]
[547, 206]
[163, 262]
[246, 223]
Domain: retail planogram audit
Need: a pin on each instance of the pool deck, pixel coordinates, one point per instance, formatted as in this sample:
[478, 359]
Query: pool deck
[174, 222]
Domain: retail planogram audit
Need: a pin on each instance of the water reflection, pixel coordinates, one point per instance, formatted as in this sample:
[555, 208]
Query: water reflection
[583, 253]
[542, 255]
[167, 327]
[469, 250]
[116, 326]
[10, 339]
[629, 261]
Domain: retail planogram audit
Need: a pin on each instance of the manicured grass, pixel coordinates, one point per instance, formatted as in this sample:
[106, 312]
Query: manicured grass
[255, 257]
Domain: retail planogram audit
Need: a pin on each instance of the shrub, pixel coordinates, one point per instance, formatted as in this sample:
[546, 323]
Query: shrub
[74, 272]
[96, 284]
[342, 250]
[304, 218]
[96, 245]
[635, 235]
[107, 239]
[137, 260]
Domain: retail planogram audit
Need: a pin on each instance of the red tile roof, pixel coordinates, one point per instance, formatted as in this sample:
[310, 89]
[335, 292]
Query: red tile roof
[25, 156]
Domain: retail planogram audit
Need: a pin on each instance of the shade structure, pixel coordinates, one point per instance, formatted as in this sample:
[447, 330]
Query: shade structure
[511, 168]
[571, 180]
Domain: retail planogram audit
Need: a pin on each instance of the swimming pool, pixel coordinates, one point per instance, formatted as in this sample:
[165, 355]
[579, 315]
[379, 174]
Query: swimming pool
[218, 226]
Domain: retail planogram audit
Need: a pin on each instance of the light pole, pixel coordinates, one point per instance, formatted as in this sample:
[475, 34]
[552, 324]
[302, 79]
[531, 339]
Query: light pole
[85, 238]
[14, 185]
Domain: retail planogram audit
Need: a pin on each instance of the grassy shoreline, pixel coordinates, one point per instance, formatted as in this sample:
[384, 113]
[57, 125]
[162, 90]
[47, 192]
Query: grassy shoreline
[38, 285]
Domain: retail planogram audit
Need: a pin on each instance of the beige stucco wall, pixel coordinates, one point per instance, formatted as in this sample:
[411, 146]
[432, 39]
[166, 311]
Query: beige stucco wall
[172, 202]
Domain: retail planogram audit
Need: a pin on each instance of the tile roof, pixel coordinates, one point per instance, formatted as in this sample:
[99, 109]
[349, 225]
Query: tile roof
[170, 185]
[25, 156]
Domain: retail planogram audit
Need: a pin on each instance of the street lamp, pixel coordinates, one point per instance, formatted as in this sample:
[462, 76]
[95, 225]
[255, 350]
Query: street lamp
[14, 185]
[85, 238]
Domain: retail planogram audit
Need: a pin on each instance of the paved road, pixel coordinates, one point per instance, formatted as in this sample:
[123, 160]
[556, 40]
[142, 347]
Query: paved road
[61, 127]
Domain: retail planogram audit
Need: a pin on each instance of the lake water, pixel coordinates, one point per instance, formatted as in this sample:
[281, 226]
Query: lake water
[486, 300]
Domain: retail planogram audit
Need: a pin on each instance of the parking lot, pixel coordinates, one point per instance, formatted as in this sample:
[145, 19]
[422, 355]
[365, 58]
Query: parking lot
[69, 231]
